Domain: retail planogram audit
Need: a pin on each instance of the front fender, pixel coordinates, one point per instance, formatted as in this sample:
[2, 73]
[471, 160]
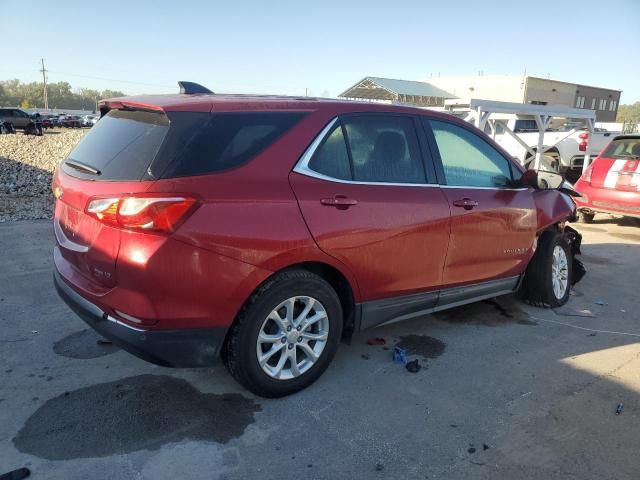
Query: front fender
[552, 206]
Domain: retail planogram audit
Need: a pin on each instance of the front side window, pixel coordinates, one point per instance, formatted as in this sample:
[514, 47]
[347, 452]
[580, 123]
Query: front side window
[384, 149]
[467, 159]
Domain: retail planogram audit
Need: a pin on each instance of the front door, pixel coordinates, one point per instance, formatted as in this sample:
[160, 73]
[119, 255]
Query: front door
[493, 224]
[368, 203]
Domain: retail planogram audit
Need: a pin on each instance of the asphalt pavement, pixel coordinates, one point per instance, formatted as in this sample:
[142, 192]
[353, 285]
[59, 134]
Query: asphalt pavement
[505, 390]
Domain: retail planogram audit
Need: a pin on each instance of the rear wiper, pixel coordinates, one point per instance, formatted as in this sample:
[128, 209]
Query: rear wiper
[82, 167]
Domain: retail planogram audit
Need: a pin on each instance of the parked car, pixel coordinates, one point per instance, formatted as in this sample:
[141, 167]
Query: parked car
[611, 184]
[89, 120]
[260, 230]
[47, 122]
[564, 147]
[71, 121]
[16, 117]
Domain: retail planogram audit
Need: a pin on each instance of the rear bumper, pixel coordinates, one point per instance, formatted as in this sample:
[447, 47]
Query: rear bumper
[607, 200]
[195, 347]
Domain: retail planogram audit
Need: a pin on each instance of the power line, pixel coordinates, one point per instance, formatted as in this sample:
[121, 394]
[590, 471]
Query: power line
[111, 79]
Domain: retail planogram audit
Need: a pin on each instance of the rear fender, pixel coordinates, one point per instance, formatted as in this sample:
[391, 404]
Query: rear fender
[552, 207]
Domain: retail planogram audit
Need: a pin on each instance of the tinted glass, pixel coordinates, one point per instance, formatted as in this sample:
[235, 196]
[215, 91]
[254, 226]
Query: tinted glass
[525, 126]
[623, 148]
[121, 146]
[331, 158]
[384, 149]
[467, 159]
[200, 143]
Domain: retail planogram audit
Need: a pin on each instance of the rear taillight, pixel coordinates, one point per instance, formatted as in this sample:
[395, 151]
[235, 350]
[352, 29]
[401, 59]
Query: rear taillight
[148, 213]
[586, 176]
[584, 142]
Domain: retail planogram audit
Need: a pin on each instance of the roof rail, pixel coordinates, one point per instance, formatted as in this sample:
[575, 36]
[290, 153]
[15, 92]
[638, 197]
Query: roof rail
[190, 88]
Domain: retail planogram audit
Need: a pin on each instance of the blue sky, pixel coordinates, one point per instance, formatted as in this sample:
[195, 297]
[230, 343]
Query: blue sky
[325, 47]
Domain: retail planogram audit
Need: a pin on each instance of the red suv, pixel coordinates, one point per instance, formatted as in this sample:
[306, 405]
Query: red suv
[262, 230]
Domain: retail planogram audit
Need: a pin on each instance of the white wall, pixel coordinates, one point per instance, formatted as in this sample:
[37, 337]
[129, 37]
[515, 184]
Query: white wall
[505, 88]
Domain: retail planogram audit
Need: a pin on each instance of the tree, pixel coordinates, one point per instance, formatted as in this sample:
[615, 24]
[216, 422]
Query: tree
[61, 95]
[629, 113]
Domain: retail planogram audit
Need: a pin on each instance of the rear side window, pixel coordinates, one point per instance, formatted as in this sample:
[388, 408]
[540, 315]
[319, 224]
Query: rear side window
[331, 158]
[467, 159]
[201, 143]
[623, 148]
[120, 146]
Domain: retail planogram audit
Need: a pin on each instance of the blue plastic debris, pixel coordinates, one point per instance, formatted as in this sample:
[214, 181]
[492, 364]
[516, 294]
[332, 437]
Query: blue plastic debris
[399, 355]
[601, 302]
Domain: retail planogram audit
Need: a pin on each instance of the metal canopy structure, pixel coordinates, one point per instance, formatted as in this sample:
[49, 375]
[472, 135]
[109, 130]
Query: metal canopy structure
[483, 112]
[377, 89]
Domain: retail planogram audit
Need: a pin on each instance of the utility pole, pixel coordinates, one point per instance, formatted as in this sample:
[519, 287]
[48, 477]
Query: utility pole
[44, 81]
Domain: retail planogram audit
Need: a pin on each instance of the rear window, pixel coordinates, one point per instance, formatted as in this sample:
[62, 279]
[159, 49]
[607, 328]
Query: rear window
[136, 145]
[121, 146]
[623, 148]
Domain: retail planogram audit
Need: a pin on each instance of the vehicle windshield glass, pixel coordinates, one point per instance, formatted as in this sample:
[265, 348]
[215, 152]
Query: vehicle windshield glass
[623, 148]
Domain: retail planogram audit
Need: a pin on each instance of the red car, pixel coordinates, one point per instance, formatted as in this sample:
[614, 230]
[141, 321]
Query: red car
[611, 184]
[261, 230]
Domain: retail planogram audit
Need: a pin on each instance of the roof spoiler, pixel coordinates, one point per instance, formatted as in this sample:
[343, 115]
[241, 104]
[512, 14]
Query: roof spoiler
[190, 88]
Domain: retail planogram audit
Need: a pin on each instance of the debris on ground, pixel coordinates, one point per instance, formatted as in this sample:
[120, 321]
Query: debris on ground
[619, 408]
[485, 447]
[413, 366]
[365, 356]
[18, 474]
[569, 311]
[104, 341]
[601, 302]
[376, 341]
[399, 355]
[471, 449]
[379, 467]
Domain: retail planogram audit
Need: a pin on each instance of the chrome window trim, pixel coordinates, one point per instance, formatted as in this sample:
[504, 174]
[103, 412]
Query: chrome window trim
[302, 167]
[467, 187]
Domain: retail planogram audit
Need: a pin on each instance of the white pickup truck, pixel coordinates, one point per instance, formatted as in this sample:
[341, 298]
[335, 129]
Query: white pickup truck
[564, 146]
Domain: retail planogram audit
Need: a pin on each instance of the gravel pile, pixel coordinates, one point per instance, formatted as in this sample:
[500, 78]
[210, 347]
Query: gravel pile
[26, 167]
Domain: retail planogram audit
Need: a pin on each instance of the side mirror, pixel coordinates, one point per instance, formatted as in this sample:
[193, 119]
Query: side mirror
[542, 179]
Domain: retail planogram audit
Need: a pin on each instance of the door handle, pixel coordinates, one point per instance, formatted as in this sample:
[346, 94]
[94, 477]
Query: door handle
[339, 201]
[465, 203]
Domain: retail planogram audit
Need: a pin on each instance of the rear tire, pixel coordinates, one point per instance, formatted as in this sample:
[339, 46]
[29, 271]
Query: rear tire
[548, 279]
[265, 328]
[584, 217]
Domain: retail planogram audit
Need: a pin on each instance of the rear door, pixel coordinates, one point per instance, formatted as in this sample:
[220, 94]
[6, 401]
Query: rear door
[368, 202]
[493, 226]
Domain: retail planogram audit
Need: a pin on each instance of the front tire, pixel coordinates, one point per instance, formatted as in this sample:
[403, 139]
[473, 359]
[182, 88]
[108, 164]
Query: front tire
[286, 335]
[548, 279]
